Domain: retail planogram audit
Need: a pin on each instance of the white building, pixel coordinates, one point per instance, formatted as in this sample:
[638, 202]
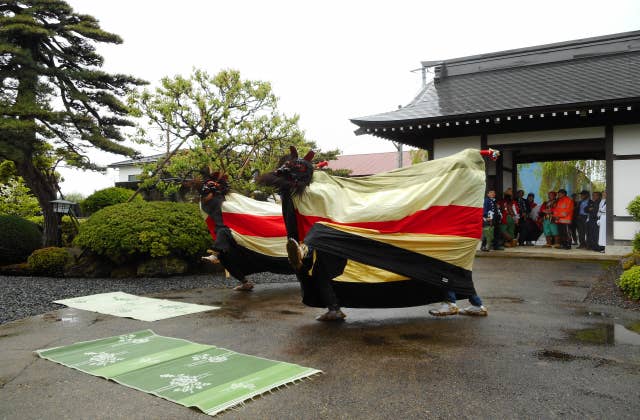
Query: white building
[565, 101]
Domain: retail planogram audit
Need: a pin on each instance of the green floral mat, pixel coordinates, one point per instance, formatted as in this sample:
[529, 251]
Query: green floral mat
[132, 306]
[210, 378]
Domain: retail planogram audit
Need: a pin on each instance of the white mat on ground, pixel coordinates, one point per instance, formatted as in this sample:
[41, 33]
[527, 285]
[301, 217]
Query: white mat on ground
[132, 306]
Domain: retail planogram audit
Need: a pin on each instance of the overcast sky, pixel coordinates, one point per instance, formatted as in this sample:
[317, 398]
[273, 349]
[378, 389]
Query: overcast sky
[329, 61]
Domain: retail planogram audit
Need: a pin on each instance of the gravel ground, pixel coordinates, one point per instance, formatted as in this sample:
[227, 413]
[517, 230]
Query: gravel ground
[22, 297]
[604, 291]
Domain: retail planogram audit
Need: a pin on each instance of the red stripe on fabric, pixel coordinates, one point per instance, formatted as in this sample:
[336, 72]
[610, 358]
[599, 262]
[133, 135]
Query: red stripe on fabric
[252, 225]
[437, 220]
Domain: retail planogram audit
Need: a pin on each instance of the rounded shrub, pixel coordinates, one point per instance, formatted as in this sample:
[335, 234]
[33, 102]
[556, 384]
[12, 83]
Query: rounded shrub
[18, 240]
[139, 230]
[49, 261]
[629, 282]
[634, 208]
[106, 197]
[636, 242]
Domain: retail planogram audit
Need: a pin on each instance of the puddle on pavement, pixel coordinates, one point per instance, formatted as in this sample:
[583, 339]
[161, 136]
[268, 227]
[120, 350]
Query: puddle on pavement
[503, 299]
[68, 317]
[572, 283]
[288, 312]
[415, 336]
[374, 340]
[609, 334]
[559, 356]
[595, 314]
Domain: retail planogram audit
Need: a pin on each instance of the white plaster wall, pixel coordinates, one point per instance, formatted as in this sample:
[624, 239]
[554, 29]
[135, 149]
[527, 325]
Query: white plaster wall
[125, 171]
[451, 145]
[625, 231]
[547, 135]
[626, 139]
[626, 184]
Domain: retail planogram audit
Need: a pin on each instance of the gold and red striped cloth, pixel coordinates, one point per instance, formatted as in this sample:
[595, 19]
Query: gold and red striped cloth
[431, 208]
[256, 225]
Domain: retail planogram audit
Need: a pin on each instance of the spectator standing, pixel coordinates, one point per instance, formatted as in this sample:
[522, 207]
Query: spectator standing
[490, 223]
[563, 215]
[533, 229]
[549, 228]
[510, 216]
[583, 216]
[573, 227]
[593, 230]
[523, 214]
[602, 222]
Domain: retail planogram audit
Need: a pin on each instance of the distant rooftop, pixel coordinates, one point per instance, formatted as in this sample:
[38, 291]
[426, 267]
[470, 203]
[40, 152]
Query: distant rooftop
[590, 71]
[370, 163]
[140, 161]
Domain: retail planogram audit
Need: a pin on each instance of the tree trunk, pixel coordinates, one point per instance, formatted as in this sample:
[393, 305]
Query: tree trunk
[42, 185]
[44, 189]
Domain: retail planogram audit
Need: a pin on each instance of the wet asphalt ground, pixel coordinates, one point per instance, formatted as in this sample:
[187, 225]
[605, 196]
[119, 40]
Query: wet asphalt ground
[541, 353]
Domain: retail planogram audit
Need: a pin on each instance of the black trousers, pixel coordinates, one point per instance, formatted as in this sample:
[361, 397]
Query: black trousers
[593, 233]
[565, 235]
[581, 224]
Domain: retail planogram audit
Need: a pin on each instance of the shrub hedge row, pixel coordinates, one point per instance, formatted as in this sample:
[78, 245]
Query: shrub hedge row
[139, 230]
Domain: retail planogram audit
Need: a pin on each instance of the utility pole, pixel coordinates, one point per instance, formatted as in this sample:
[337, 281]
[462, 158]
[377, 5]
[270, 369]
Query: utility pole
[399, 147]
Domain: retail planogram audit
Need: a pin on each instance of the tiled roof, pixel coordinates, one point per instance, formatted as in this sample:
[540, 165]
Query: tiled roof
[587, 80]
[140, 161]
[370, 163]
[584, 72]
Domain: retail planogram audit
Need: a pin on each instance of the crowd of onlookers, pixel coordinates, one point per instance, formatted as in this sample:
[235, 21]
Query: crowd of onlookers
[517, 220]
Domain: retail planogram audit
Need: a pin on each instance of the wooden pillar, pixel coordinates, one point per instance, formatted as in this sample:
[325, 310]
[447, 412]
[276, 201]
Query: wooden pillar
[499, 173]
[429, 148]
[608, 153]
[514, 172]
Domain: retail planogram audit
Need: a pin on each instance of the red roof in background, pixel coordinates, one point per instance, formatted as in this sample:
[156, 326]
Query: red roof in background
[370, 163]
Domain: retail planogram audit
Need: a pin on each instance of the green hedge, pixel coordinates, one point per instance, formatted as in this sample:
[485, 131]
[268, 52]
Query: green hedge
[629, 282]
[106, 197]
[49, 261]
[139, 230]
[634, 208]
[19, 238]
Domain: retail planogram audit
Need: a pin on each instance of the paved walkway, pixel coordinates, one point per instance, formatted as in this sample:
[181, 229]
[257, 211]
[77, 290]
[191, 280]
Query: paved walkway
[612, 253]
[541, 353]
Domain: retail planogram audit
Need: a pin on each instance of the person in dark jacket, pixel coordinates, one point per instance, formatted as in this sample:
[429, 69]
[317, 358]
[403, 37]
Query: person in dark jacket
[583, 216]
[593, 229]
[490, 220]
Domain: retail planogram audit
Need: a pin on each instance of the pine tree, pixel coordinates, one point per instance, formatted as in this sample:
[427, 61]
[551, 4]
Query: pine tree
[55, 101]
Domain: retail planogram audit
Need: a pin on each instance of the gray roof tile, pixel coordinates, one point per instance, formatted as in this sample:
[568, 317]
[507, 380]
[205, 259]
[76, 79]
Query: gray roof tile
[578, 81]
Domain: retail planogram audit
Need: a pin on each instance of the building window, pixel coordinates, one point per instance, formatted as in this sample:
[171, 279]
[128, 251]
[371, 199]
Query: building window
[132, 178]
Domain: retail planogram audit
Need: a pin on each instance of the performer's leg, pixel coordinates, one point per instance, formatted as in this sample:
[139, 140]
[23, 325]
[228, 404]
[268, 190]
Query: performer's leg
[244, 286]
[476, 308]
[325, 268]
[447, 306]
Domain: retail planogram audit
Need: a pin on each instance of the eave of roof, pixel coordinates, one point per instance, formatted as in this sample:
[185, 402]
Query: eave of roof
[560, 85]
